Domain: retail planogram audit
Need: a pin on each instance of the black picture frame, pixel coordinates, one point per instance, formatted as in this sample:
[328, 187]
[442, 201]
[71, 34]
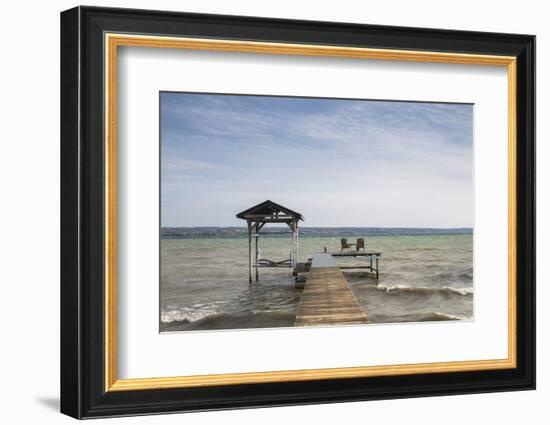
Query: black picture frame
[83, 392]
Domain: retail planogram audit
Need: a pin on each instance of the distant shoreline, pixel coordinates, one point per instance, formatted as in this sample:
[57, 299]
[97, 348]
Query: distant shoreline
[238, 232]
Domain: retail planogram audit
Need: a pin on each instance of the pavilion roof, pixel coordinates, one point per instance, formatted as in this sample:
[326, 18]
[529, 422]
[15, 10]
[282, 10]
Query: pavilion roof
[270, 211]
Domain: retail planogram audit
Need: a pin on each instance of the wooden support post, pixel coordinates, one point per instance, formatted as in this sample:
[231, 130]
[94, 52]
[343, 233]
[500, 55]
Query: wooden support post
[257, 249]
[377, 267]
[295, 243]
[249, 251]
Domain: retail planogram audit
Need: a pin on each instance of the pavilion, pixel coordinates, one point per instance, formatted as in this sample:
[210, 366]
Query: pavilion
[256, 218]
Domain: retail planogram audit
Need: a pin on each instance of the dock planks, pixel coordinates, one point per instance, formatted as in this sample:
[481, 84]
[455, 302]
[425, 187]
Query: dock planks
[327, 298]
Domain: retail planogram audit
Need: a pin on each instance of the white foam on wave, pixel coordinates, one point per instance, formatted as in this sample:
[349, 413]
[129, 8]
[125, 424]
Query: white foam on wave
[451, 316]
[412, 289]
[184, 315]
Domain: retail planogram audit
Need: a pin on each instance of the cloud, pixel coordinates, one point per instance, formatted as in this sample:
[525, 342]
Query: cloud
[343, 162]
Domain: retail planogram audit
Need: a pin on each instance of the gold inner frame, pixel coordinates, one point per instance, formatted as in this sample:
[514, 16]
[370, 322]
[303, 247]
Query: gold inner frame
[113, 41]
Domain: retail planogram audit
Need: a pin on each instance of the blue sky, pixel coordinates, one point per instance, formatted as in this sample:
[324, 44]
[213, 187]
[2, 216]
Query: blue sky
[338, 162]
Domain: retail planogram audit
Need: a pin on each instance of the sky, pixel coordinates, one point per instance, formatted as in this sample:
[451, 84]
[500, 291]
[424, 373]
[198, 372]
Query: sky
[338, 162]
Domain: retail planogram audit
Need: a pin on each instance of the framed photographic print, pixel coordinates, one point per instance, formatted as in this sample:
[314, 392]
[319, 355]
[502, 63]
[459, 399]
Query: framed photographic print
[261, 212]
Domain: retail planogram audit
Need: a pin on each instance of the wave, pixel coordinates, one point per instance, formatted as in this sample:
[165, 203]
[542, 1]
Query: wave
[216, 321]
[183, 316]
[434, 316]
[426, 289]
[444, 275]
[437, 315]
[178, 321]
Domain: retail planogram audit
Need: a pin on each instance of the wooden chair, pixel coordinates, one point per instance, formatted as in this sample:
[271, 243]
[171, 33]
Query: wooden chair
[360, 244]
[345, 245]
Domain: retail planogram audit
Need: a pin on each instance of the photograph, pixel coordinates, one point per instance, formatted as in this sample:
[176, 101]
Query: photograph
[283, 211]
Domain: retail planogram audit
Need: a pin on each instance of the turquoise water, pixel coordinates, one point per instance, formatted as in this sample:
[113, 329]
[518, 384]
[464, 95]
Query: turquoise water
[204, 282]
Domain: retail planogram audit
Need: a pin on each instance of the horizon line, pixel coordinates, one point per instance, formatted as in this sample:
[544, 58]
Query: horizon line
[330, 227]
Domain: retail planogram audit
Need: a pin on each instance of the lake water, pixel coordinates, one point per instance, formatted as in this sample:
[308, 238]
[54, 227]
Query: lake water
[204, 281]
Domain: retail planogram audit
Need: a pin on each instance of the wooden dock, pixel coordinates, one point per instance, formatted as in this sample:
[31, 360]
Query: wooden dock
[355, 254]
[327, 298]
[374, 258]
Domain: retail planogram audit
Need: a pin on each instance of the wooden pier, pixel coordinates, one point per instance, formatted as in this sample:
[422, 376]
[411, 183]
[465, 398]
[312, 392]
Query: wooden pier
[372, 256]
[327, 298]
